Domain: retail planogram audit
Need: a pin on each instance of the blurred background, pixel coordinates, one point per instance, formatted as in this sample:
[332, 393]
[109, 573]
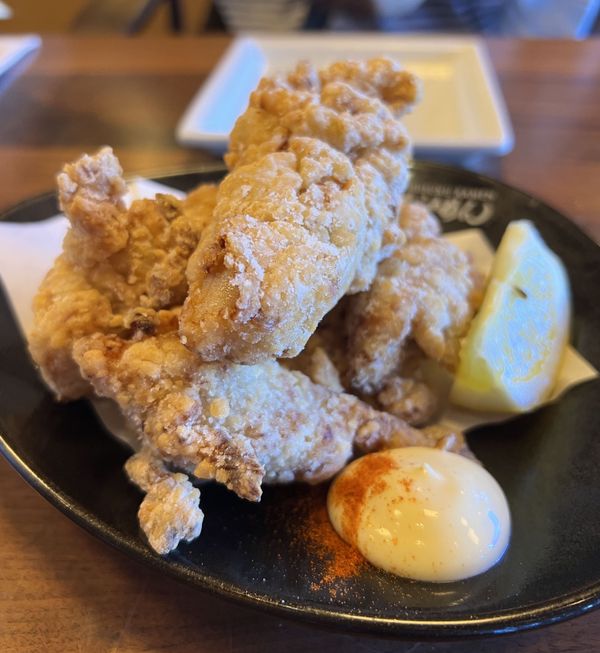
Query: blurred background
[524, 18]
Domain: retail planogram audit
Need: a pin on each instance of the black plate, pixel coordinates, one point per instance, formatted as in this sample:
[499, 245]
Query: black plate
[547, 463]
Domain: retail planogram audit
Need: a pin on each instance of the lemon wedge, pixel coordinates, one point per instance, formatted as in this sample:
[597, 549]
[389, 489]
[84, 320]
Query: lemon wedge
[510, 358]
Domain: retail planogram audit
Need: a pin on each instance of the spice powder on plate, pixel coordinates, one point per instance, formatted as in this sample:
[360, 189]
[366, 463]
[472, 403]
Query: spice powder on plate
[331, 560]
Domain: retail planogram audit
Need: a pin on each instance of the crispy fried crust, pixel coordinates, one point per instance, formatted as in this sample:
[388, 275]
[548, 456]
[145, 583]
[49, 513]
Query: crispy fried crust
[408, 398]
[91, 193]
[169, 512]
[316, 363]
[238, 424]
[116, 264]
[283, 246]
[324, 358]
[319, 163]
[318, 166]
[425, 291]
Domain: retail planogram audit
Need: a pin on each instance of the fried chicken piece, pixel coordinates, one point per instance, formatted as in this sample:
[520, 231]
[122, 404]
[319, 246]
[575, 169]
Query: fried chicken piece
[324, 360]
[198, 205]
[449, 439]
[145, 468]
[169, 512]
[425, 291]
[65, 308]
[324, 357]
[316, 364]
[318, 166]
[240, 425]
[136, 256]
[406, 393]
[354, 107]
[408, 398]
[283, 244]
[116, 264]
[91, 194]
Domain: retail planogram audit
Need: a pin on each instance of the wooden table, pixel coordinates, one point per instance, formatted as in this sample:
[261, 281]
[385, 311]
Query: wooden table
[60, 589]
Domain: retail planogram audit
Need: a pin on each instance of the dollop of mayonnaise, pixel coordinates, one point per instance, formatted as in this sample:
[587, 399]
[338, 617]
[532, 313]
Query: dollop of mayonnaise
[421, 513]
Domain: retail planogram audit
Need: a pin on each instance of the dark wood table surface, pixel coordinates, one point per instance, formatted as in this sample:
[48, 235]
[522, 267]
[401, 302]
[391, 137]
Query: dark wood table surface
[60, 589]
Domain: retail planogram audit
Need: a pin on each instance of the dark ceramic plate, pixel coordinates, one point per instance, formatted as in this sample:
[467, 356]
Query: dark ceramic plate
[547, 463]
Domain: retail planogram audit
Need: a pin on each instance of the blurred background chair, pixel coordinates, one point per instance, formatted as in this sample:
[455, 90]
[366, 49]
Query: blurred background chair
[125, 16]
[528, 18]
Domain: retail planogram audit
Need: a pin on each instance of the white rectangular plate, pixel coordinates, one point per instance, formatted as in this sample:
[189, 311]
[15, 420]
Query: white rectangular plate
[462, 111]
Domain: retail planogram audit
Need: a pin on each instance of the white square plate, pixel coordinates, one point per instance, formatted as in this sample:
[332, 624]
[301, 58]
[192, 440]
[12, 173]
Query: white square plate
[462, 111]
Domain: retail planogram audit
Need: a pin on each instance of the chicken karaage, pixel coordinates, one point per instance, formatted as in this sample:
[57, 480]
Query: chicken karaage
[319, 162]
[118, 265]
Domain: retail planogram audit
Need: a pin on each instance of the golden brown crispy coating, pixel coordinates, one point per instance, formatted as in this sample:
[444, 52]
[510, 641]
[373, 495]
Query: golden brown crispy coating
[425, 291]
[355, 107]
[418, 223]
[319, 163]
[352, 105]
[169, 512]
[325, 361]
[409, 398]
[241, 425]
[198, 206]
[282, 246]
[324, 358]
[65, 308]
[315, 361]
[116, 264]
[449, 439]
[145, 468]
[91, 193]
